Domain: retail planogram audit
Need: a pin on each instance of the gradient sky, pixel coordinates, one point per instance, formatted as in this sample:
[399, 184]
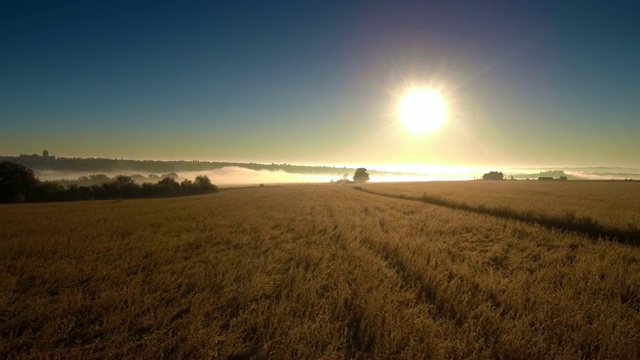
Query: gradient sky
[528, 83]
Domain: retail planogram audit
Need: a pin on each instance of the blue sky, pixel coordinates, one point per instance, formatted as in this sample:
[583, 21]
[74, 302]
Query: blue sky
[527, 83]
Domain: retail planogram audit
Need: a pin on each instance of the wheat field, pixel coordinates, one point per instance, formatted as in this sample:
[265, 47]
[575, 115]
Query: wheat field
[322, 271]
[606, 206]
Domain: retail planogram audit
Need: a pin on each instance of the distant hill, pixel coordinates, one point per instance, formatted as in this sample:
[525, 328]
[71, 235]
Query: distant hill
[100, 165]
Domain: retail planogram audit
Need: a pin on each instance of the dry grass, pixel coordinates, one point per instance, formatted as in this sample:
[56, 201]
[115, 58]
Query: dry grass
[315, 271]
[608, 208]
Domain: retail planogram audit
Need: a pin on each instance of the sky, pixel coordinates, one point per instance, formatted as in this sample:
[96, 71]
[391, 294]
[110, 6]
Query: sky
[526, 83]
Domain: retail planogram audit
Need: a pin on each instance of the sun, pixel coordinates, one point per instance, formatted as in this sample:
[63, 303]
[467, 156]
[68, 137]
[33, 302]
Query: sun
[422, 111]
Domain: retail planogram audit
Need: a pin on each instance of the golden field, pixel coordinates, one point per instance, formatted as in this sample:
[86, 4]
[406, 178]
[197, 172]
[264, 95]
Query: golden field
[604, 206]
[323, 271]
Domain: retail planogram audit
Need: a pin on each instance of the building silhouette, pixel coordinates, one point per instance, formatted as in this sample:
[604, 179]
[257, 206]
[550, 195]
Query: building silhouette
[493, 175]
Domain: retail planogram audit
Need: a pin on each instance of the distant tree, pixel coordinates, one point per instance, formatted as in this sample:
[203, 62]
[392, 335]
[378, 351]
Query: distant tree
[202, 180]
[75, 193]
[124, 181]
[16, 182]
[168, 187]
[139, 178]
[170, 175]
[48, 191]
[122, 187]
[343, 180]
[204, 184]
[361, 175]
[99, 178]
[187, 187]
[168, 182]
[563, 177]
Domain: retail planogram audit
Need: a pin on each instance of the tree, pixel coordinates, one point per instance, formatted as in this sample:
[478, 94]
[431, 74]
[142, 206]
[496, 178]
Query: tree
[168, 187]
[122, 187]
[203, 183]
[124, 181]
[48, 191]
[16, 182]
[361, 175]
[99, 178]
[170, 175]
[168, 181]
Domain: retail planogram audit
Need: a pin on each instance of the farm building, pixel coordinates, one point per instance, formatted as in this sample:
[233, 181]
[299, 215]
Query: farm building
[493, 175]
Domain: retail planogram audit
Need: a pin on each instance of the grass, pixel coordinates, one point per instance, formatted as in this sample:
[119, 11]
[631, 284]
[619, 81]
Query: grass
[309, 271]
[608, 210]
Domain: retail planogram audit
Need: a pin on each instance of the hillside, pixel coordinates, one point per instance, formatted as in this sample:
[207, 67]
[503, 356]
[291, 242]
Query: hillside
[98, 165]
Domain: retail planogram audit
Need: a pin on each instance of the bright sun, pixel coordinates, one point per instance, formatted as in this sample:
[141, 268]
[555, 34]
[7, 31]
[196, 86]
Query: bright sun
[422, 111]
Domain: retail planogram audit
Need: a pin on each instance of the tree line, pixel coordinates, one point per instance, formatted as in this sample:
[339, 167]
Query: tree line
[99, 179]
[154, 166]
[19, 184]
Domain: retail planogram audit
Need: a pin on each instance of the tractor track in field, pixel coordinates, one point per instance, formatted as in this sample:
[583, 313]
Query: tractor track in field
[427, 290]
[585, 226]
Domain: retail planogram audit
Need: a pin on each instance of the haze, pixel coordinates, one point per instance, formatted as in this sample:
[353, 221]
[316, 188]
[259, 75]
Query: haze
[540, 83]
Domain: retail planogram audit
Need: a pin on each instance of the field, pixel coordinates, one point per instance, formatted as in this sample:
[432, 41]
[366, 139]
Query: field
[597, 207]
[425, 270]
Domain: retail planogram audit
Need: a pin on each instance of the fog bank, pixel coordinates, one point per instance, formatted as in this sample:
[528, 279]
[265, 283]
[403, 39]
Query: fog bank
[239, 176]
[242, 176]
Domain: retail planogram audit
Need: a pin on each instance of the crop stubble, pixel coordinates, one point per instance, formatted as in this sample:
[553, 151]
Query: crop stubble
[305, 272]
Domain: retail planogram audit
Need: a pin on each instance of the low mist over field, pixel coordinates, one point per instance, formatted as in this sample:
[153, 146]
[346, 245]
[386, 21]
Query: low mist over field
[379, 173]
[224, 176]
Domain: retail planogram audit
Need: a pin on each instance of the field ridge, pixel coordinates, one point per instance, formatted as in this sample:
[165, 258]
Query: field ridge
[584, 225]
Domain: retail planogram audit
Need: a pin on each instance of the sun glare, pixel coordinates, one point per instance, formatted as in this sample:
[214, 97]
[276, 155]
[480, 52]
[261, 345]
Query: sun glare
[422, 111]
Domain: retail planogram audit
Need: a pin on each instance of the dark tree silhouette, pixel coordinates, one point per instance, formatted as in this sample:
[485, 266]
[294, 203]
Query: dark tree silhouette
[122, 187]
[124, 181]
[361, 175]
[170, 175]
[16, 182]
[204, 184]
[168, 182]
[168, 187]
[48, 191]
